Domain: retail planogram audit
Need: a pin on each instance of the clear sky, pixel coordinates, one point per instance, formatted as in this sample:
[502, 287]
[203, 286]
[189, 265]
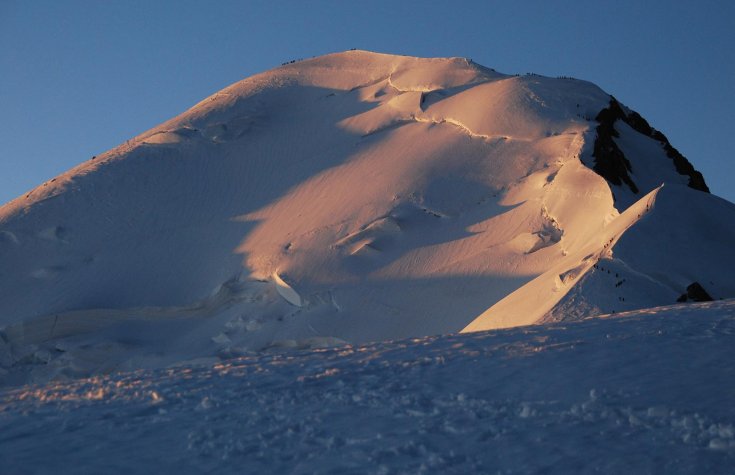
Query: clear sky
[79, 77]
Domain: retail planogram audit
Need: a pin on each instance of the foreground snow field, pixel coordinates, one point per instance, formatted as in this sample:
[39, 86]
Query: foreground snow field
[645, 392]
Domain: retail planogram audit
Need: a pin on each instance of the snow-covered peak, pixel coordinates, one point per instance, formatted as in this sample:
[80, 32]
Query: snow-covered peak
[351, 197]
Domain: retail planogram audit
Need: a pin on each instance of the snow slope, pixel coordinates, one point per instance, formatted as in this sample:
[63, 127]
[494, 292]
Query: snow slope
[353, 197]
[647, 256]
[644, 392]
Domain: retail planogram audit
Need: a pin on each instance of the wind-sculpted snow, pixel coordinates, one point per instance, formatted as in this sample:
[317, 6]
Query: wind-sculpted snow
[648, 264]
[645, 392]
[352, 197]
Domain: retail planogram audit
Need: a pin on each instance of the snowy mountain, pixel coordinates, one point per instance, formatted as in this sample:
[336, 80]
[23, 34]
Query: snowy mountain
[355, 197]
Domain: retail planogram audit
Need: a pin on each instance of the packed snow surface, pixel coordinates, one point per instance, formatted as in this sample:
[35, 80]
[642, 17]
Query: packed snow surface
[353, 197]
[642, 392]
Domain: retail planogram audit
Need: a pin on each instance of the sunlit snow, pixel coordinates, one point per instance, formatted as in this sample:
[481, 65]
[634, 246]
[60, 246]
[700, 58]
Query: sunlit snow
[215, 289]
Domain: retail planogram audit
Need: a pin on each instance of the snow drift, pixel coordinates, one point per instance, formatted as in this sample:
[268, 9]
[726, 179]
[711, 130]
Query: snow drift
[354, 197]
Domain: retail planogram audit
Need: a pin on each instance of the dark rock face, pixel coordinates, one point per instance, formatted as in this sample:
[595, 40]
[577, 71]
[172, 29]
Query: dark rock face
[611, 163]
[683, 166]
[695, 293]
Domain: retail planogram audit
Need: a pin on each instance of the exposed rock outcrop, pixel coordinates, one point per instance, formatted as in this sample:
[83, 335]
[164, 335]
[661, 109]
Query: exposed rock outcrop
[610, 161]
[695, 293]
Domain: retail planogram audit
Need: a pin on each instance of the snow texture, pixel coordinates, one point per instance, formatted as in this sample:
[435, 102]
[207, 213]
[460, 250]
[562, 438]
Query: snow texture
[353, 197]
[644, 392]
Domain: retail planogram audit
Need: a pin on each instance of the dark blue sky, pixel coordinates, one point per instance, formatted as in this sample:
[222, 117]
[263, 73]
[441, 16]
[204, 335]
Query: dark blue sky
[79, 77]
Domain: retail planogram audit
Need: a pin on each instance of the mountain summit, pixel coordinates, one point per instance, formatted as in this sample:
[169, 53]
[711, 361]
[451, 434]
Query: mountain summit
[355, 197]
